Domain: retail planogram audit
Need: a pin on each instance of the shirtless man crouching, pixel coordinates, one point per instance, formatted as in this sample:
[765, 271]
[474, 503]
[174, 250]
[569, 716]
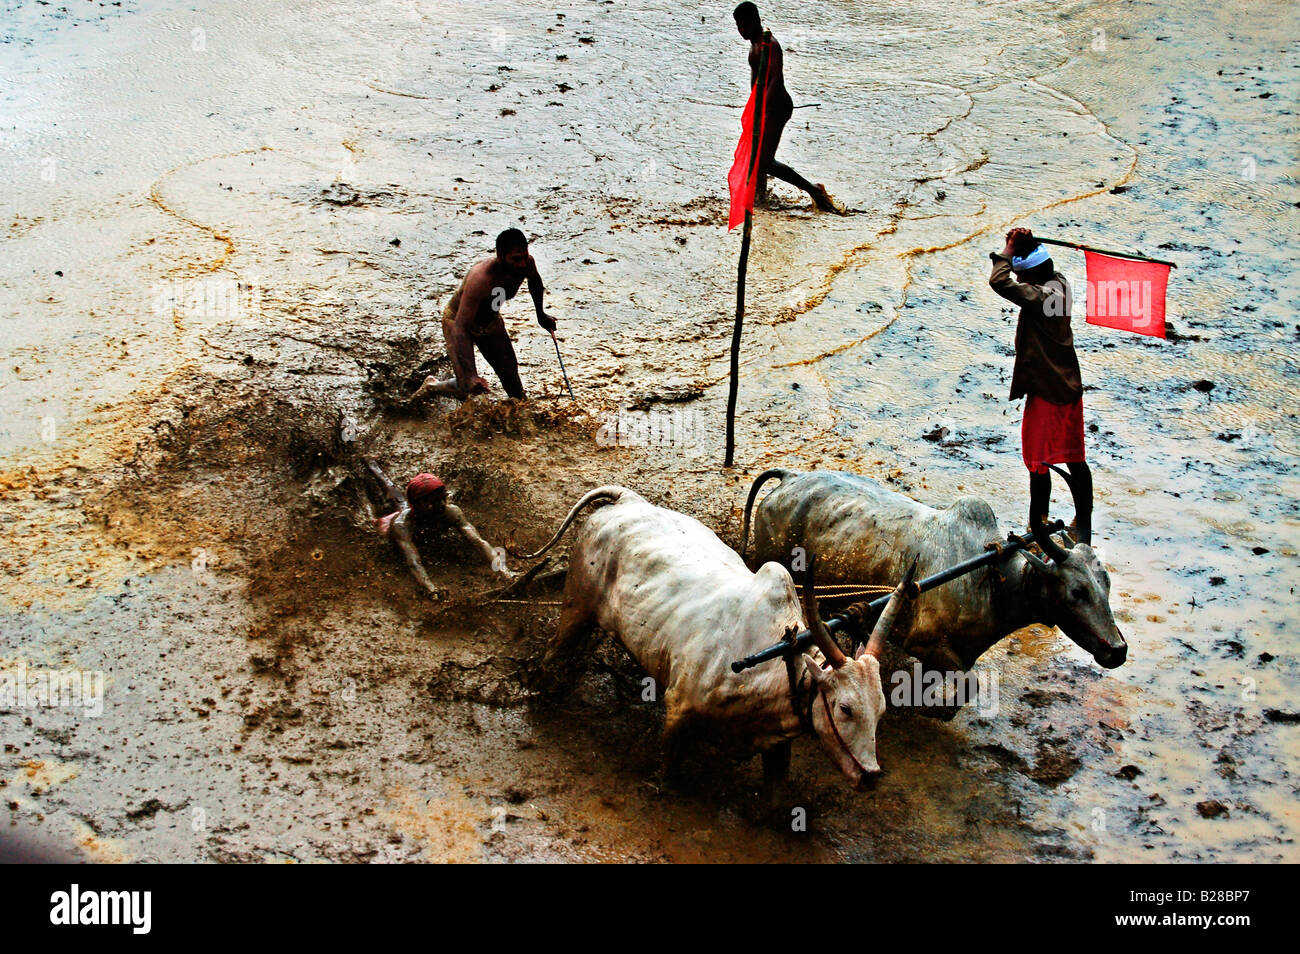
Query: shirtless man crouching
[473, 319]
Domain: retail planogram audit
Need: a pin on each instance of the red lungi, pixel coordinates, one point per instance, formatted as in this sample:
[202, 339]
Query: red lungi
[1051, 433]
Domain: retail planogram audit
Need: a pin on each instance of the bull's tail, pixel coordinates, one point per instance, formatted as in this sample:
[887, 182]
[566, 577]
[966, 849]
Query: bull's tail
[608, 494]
[759, 481]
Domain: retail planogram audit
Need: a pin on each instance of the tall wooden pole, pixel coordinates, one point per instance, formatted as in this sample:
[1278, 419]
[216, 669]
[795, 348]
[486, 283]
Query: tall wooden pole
[756, 137]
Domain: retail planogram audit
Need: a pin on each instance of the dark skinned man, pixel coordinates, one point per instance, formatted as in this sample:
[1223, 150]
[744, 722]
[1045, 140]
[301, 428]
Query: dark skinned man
[472, 319]
[778, 107]
[1046, 374]
[422, 511]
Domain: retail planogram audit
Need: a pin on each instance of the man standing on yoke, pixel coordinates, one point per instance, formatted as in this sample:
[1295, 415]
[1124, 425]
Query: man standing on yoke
[473, 319]
[1046, 373]
[778, 107]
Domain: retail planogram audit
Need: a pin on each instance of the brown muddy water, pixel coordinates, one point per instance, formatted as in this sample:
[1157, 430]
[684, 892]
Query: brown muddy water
[229, 231]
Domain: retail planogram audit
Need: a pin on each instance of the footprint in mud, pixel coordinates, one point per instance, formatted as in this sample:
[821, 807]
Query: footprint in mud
[340, 194]
[677, 393]
[1054, 763]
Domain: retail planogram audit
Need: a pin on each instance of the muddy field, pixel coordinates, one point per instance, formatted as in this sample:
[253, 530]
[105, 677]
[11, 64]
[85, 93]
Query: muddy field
[231, 234]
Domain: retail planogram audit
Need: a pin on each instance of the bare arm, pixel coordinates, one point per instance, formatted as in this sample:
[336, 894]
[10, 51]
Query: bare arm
[775, 72]
[400, 533]
[536, 289]
[457, 517]
[775, 66]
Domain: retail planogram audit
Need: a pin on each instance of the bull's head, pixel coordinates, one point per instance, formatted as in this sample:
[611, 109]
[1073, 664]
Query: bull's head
[1074, 590]
[850, 697]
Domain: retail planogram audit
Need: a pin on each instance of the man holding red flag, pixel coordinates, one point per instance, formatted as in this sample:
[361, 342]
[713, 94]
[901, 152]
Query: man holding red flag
[1047, 374]
[778, 107]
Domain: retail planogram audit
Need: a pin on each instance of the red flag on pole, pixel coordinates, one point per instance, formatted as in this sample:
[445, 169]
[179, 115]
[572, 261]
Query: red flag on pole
[1127, 294]
[738, 179]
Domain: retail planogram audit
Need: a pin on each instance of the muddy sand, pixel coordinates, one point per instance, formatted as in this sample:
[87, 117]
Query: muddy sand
[230, 233]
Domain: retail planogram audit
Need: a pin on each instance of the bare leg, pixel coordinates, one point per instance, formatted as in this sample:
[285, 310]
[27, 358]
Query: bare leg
[774, 127]
[779, 170]
[499, 352]
[821, 198]
[451, 386]
[1082, 478]
[1040, 497]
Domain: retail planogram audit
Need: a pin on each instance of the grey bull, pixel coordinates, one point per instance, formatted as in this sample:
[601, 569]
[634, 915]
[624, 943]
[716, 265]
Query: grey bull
[862, 532]
[684, 604]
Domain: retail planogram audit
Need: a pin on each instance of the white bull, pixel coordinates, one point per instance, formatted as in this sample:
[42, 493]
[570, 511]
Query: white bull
[684, 605]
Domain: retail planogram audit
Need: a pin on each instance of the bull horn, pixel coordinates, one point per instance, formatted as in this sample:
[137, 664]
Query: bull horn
[1036, 561]
[880, 632]
[1044, 540]
[821, 635]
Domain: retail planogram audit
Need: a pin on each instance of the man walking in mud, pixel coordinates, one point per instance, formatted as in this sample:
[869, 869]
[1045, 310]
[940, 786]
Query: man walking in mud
[778, 107]
[472, 319]
[1046, 373]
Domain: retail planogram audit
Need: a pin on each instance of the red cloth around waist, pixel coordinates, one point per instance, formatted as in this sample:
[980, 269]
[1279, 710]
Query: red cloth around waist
[1051, 433]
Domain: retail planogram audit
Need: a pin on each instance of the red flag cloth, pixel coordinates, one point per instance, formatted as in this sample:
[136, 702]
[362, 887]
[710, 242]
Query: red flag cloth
[1126, 294]
[742, 187]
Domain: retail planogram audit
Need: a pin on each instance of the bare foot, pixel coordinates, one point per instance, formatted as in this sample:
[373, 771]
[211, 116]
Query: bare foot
[826, 202]
[431, 387]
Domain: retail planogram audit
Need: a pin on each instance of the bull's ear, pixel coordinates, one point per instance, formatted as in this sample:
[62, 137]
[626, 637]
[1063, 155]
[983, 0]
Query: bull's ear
[815, 670]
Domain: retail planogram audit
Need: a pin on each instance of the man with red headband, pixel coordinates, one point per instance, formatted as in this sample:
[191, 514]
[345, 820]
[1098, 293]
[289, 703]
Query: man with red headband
[1046, 374]
[425, 507]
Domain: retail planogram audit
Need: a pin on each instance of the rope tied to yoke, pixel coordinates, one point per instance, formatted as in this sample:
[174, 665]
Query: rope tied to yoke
[837, 591]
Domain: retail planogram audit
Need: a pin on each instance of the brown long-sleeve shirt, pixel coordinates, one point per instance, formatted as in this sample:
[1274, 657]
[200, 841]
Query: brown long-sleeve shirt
[1046, 364]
